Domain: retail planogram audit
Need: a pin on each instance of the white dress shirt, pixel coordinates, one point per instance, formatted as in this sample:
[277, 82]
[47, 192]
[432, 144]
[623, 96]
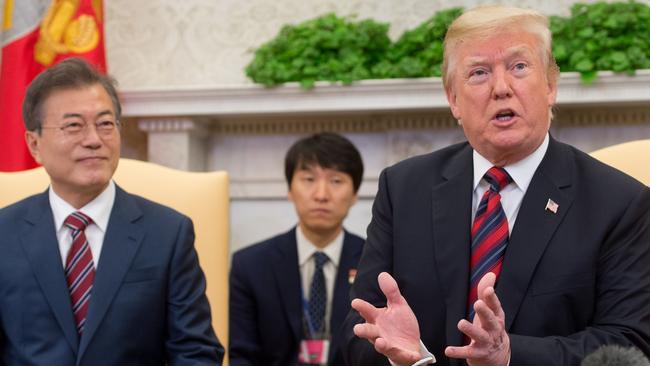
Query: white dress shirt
[306, 250]
[512, 195]
[99, 210]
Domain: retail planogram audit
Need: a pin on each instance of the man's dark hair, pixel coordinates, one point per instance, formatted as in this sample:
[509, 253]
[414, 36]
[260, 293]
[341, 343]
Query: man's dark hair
[328, 150]
[72, 73]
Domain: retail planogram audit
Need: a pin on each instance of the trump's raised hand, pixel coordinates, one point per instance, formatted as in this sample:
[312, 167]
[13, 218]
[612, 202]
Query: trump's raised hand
[393, 330]
[490, 344]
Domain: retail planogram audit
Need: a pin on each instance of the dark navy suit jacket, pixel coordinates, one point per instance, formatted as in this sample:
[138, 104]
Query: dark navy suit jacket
[266, 301]
[571, 280]
[148, 305]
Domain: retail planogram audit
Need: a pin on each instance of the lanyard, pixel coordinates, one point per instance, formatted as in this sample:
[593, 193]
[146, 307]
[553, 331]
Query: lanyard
[310, 325]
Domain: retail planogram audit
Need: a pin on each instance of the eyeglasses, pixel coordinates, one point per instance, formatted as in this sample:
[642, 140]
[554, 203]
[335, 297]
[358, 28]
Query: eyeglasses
[76, 129]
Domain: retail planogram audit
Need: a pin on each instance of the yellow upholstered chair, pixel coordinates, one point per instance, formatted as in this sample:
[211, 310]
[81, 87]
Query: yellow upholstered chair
[201, 196]
[632, 158]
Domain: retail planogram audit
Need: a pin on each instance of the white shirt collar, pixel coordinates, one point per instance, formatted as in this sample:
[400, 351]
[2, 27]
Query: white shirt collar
[99, 209]
[306, 248]
[521, 172]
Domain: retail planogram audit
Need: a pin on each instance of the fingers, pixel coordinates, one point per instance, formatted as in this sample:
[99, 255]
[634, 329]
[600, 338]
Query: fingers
[490, 298]
[489, 340]
[480, 346]
[399, 356]
[367, 331]
[489, 322]
[367, 311]
[488, 307]
[389, 287]
[488, 280]
[458, 352]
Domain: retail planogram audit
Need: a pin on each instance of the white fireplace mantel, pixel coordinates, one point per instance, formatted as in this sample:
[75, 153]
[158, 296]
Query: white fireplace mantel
[363, 96]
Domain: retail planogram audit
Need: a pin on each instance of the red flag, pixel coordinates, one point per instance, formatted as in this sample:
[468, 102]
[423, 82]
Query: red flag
[37, 34]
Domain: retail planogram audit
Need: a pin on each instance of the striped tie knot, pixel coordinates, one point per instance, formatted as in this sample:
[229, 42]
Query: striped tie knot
[497, 178]
[78, 221]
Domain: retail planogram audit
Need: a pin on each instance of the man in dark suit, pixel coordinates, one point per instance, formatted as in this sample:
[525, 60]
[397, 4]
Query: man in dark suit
[89, 274]
[289, 294]
[513, 248]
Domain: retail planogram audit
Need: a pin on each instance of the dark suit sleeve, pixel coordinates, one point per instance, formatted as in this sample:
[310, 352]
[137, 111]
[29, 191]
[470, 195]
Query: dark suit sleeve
[244, 344]
[622, 311]
[191, 339]
[376, 258]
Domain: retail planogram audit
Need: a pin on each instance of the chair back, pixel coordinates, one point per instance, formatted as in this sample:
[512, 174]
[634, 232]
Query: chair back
[632, 158]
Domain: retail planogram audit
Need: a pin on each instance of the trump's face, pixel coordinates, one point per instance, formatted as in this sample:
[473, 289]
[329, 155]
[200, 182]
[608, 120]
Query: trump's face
[501, 94]
[77, 146]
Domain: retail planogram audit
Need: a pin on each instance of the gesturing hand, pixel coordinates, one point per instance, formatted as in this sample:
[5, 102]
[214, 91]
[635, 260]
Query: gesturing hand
[394, 329]
[490, 344]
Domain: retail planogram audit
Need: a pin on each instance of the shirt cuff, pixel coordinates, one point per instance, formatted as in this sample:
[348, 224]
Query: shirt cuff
[427, 357]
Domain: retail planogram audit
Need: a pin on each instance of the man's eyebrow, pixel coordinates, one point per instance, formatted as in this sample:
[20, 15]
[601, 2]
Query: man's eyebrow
[517, 51]
[105, 113]
[78, 115]
[508, 54]
[474, 61]
[70, 115]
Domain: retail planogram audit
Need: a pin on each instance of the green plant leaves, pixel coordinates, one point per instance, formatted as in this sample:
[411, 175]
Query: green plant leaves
[418, 52]
[326, 48]
[603, 36]
[597, 36]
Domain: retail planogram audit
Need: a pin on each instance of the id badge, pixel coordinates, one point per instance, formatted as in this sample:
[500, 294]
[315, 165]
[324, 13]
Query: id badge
[314, 351]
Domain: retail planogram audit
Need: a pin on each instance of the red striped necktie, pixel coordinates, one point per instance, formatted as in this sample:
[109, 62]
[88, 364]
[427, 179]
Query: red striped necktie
[489, 234]
[79, 268]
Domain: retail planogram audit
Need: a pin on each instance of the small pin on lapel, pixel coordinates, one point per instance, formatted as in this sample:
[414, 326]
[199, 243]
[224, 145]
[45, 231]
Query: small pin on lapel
[351, 275]
[552, 206]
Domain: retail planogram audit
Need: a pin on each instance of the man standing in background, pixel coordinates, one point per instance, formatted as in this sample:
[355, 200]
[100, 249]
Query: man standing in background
[289, 294]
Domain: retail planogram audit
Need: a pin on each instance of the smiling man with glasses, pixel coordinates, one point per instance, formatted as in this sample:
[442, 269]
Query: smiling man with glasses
[90, 274]
[80, 160]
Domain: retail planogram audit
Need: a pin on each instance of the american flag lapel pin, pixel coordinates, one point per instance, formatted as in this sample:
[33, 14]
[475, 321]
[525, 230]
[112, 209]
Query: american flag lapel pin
[552, 206]
[352, 273]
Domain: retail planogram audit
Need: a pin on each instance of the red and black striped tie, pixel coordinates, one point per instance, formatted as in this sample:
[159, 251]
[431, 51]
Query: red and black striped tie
[79, 268]
[489, 234]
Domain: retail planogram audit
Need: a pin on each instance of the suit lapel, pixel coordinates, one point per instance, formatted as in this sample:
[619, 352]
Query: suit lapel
[40, 245]
[452, 205]
[534, 227]
[121, 242]
[287, 278]
[341, 299]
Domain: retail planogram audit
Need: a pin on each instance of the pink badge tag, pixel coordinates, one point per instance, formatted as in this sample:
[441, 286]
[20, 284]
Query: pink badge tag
[313, 351]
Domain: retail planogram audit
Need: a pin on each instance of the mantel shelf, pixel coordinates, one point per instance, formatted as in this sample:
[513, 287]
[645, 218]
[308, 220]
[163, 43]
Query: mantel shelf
[363, 96]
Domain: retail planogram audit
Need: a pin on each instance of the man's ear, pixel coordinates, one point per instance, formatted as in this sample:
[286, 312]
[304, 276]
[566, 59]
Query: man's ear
[552, 92]
[451, 98]
[289, 194]
[32, 138]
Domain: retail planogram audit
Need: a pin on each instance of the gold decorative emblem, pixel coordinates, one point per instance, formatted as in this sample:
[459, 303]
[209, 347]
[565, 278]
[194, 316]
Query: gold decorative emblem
[60, 33]
[82, 34]
[8, 13]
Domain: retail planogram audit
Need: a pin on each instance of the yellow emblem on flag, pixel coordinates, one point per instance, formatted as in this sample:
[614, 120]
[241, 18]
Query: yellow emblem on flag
[60, 33]
[9, 9]
[82, 34]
